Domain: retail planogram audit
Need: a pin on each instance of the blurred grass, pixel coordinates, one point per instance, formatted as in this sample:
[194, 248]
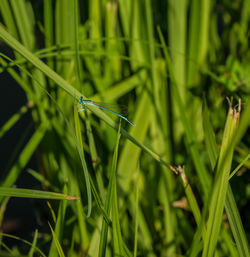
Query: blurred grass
[174, 80]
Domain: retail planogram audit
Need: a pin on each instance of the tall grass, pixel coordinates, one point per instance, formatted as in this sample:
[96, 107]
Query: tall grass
[161, 188]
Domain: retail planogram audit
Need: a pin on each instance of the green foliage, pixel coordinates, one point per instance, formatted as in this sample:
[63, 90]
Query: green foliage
[165, 187]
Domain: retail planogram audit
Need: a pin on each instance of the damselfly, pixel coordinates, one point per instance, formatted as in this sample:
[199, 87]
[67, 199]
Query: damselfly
[85, 103]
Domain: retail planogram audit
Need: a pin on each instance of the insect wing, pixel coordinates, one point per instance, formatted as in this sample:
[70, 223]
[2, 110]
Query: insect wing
[114, 108]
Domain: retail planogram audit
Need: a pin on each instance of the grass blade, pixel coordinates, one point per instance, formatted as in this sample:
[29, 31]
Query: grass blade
[14, 119]
[58, 246]
[230, 204]
[32, 249]
[116, 229]
[25, 156]
[109, 199]
[30, 193]
[221, 184]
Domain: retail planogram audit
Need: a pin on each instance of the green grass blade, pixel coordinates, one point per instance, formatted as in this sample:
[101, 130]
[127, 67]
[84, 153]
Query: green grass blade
[59, 226]
[48, 27]
[57, 243]
[25, 156]
[42, 179]
[236, 224]
[136, 218]
[177, 13]
[212, 148]
[122, 87]
[244, 121]
[30, 193]
[21, 240]
[218, 196]
[191, 142]
[125, 168]
[81, 222]
[76, 44]
[239, 166]
[48, 23]
[8, 17]
[109, 199]
[230, 204]
[34, 242]
[79, 144]
[17, 77]
[14, 119]
[116, 229]
[191, 197]
[79, 148]
[13, 43]
[24, 21]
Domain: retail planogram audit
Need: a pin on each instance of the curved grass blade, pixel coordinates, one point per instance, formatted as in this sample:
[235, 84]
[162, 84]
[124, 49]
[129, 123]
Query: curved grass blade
[24, 241]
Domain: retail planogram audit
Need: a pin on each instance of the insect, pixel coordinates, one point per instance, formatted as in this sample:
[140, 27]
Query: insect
[85, 103]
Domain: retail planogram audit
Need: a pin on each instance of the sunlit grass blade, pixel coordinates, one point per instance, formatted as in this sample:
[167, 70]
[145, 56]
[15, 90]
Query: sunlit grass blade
[76, 184]
[136, 217]
[230, 204]
[109, 199]
[79, 144]
[23, 22]
[220, 187]
[48, 25]
[116, 228]
[7, 16]
[122, 87]
[99, 196]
